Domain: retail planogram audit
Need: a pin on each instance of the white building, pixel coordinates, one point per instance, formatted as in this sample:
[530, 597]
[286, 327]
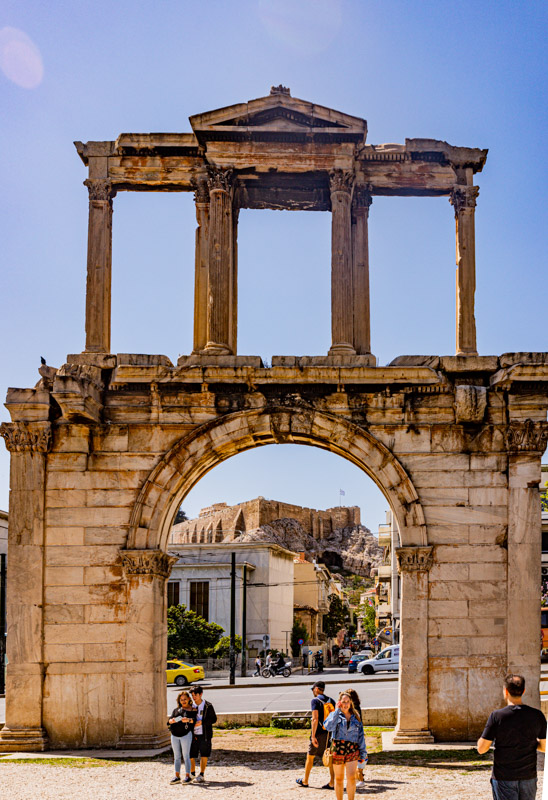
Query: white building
[3, 532]
[201, 581]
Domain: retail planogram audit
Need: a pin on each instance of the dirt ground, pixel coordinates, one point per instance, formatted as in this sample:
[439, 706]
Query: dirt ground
[254, 764]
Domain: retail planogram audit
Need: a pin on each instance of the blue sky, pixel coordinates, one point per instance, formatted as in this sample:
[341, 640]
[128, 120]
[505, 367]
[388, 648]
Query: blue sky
[472, 73]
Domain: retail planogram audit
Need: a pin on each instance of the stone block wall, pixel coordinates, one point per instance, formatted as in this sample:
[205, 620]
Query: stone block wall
[103, 454]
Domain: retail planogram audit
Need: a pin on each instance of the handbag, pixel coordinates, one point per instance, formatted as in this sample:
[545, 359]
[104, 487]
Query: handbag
[327, 758]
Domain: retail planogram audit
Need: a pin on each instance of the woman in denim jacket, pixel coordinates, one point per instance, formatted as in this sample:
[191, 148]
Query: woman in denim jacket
[348, 744]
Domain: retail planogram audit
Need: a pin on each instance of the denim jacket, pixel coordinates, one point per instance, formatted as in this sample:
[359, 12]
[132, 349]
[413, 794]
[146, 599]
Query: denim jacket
[337, 725]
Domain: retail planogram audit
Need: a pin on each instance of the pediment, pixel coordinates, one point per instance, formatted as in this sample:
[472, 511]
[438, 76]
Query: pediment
[277, 116]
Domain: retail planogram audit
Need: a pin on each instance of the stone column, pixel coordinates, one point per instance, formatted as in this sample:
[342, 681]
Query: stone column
[98, 287]
[413, 564]
[201, 198]
[145, 708]
[360, 270]
[221, 256]
[342, 318]
[28, 444]
[526, 442]
[463, 199]
[233, 339]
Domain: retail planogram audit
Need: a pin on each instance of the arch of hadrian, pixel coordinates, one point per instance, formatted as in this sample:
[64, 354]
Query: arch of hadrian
[104, 449]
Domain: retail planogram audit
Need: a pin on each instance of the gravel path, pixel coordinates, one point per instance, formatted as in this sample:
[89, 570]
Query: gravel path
[250, 765]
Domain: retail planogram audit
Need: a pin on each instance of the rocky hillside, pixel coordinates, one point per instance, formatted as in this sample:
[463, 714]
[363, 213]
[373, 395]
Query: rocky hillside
[354, 549]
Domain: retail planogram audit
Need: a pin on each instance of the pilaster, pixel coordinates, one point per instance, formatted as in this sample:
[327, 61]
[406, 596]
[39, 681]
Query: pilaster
[413, 565]
[28, 444]
[145, 708]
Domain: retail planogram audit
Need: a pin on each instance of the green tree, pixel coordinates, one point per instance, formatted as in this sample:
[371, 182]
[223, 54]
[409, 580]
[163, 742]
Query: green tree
[544, 498]
[338, 616]
[180, 516]
[189, 635]
[298, 631]
[222, 648]
[367, 614]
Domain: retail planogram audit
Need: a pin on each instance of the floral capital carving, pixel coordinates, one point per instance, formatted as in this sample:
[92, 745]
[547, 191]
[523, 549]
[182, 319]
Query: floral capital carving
[100, 190]
[463, 197]
[414, 559]
[220, 179]
[201, 189]
[362, 196]
[341, 181]
[21, 437]
[527, 436]
[147, 562]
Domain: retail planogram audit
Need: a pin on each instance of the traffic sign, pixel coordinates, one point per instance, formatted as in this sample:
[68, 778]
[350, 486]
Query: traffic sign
[301, 641]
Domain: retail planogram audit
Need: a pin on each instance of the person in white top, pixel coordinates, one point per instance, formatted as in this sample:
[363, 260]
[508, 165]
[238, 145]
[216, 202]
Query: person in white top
[203, 732]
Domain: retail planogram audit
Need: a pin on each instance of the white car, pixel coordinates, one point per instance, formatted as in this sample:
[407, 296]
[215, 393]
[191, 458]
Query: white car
[388, 659]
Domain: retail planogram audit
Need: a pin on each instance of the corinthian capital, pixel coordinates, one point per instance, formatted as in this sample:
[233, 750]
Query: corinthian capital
[21, 437]
[100, 190]
[527, 436]
[201, 189]
[220, 179]
[362, 196]
[414, 559]
[147, 562]
[462, 197]
[341, 181]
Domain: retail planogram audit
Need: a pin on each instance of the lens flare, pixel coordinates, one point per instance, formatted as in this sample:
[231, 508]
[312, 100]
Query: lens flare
[306, 26]
[20, 59]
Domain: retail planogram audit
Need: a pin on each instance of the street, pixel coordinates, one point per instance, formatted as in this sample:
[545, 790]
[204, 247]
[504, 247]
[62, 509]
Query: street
[373, 694]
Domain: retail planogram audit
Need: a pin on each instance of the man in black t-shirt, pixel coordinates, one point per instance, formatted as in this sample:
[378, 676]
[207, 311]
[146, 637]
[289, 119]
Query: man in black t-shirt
[318, 734]
[518, 731]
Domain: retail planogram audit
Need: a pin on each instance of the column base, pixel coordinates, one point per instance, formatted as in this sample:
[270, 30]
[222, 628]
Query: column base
[144, 741]
[341, 349]
[413, 737]
[465, 352]
[214, 349]
[23, 740]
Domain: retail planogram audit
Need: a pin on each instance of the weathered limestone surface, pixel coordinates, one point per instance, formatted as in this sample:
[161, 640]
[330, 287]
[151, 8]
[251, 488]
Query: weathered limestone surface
[102, 458]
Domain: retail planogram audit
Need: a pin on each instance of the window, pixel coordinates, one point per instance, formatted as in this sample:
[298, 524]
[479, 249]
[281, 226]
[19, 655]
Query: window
[199, 598]
[545, 541]
[172, 593]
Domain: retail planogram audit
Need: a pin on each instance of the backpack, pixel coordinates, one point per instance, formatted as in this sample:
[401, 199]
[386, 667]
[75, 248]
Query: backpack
[328, 707]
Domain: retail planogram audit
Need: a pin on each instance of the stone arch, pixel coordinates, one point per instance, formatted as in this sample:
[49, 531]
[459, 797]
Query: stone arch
[197, 453]
[219, 532]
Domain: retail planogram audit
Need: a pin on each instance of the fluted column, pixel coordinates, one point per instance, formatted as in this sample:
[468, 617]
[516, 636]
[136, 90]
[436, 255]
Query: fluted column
[342, 318]
[28, 444]
[463, 199]
[360, 270]
[98, 288]
[201, 198]
[413, 565]
[221, 259]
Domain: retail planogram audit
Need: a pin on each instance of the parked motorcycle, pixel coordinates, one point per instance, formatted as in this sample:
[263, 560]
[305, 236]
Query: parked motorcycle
[272, 671]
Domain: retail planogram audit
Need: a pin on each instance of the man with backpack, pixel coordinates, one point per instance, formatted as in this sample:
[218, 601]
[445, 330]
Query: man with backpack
[321, 706]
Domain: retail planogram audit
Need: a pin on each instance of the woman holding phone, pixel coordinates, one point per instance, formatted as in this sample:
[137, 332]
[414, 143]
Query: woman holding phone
[181, 724]
[347, 745]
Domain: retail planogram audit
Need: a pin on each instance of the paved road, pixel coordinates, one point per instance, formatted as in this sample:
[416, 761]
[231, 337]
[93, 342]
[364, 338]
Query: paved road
[373, 694]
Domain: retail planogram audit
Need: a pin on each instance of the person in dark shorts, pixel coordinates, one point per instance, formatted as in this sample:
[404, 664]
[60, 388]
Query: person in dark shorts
[518, 731]
[321, 706]
[348, 745]
[203, 732]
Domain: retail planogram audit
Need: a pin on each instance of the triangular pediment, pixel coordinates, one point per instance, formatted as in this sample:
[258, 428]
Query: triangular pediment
[277, 114]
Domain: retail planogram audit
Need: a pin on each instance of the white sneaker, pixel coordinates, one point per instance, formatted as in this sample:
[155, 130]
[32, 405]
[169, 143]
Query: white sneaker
[359, 784]
[200, 778]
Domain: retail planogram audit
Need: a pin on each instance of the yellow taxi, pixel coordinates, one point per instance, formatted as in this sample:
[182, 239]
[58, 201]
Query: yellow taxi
[182, 674]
